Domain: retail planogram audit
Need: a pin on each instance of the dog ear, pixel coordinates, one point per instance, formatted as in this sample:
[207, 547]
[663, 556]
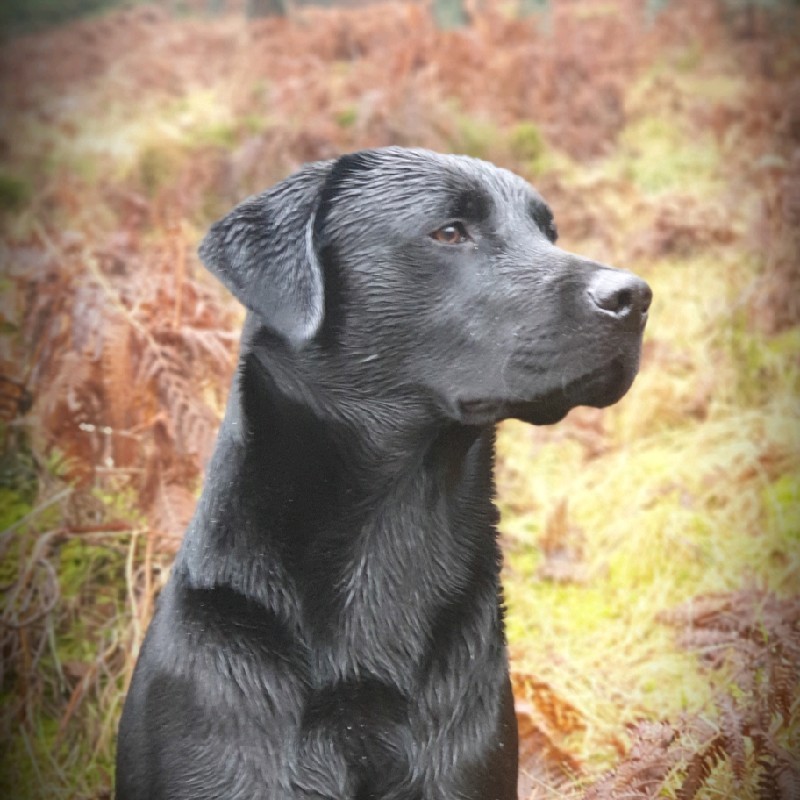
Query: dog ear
[264, 252]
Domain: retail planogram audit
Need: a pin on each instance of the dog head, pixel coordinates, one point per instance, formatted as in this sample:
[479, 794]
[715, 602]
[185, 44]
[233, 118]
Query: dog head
[404, 275]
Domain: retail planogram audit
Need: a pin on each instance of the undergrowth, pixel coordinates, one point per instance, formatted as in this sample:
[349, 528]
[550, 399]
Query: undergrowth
[651, 548]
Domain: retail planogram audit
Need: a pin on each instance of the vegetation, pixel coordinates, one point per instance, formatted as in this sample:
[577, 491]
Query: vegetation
[652, 549]
[19, 15]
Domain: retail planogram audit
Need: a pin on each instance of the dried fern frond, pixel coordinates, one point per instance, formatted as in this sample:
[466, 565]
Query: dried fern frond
[641, 774]
[754, 636]
[779, 777]
[733, 736]
[192, 425]
[553, 711]
[700, 766]
[203, 345]
[170, 513]
[782, 684]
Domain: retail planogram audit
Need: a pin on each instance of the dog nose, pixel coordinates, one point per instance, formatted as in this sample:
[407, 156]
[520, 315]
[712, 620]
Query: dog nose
[620, 294]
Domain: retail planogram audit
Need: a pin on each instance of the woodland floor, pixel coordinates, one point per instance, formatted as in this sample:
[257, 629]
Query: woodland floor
[652, 549]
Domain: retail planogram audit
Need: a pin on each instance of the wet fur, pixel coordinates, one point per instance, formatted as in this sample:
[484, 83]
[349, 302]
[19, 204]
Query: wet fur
[333, 624]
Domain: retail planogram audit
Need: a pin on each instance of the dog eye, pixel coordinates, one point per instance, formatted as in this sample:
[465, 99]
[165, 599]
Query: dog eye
[452, 233]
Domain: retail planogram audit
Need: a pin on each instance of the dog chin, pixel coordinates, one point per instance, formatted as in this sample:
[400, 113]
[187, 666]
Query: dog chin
[597, 389]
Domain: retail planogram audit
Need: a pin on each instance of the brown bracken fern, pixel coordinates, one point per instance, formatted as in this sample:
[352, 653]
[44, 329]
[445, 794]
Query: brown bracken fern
[752, 638]
[127, 389]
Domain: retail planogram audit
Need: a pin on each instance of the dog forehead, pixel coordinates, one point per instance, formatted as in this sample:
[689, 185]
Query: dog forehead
[411, 183]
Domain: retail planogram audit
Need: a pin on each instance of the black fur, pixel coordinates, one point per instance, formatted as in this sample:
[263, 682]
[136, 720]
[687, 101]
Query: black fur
[333, 625]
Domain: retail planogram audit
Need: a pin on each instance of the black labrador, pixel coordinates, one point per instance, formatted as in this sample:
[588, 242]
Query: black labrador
[333, 624]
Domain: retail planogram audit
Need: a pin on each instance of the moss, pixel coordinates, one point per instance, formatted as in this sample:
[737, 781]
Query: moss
[527, 145]
[690, 58]
[14, 192]
[158, 165]
[253, 123]
[347, 117]
[218, 134]
[658, 157]
[781, 499]
[761, 364]
[91, 618]
[449, 13]
[475, 137]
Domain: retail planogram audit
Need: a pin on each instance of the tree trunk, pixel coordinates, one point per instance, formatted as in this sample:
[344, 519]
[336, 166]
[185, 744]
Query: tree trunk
[532, 6]
[449, 13]
[257, 9]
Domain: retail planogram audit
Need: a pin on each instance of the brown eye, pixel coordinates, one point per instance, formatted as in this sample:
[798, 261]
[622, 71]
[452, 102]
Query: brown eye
[452, 233]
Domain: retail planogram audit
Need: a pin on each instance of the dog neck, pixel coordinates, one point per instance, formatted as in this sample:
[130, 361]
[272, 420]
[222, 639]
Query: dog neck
[367, 581]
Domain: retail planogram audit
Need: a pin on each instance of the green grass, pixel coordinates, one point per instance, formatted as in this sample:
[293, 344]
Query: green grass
[656, 157]
[65, 750]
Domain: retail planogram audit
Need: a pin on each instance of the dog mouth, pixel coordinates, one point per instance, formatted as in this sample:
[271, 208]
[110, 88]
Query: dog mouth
[598, 389]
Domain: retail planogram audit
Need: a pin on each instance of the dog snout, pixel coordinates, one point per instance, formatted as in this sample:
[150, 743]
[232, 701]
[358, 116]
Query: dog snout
[621, 295]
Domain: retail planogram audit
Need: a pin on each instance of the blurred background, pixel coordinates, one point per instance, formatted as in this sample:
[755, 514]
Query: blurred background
[652, 549]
